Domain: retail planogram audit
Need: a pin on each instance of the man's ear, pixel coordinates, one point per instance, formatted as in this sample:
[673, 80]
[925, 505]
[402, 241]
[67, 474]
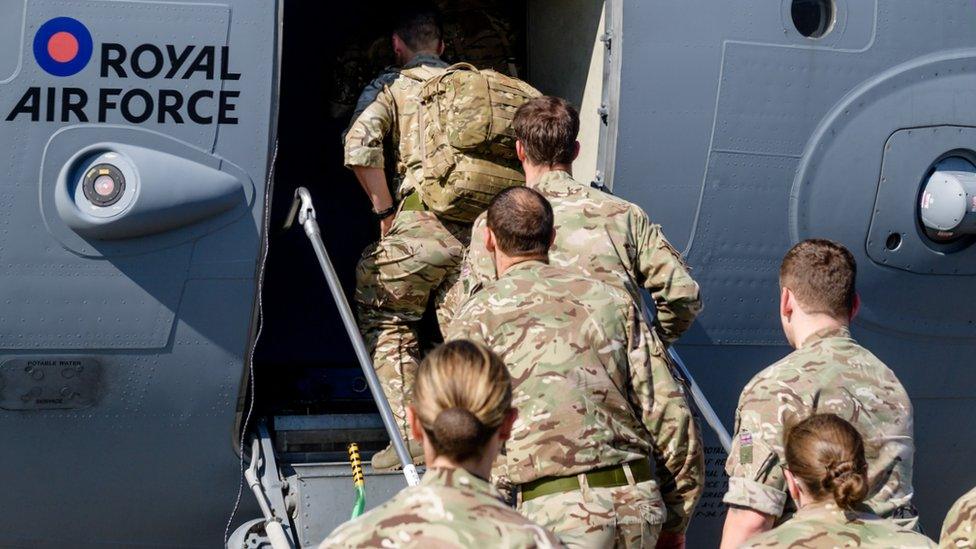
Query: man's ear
[489, 240]
[576, 150]
[856, 307]
[505, 429]
[416, 429]
[440, 48]
[786, 302]
[520, 151]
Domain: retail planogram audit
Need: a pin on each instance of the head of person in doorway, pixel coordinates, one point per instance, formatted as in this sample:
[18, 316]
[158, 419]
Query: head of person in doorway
[817, 289]
[418, 30]
[520, 228]
[462, 407]
[825, 462]
[546, 129]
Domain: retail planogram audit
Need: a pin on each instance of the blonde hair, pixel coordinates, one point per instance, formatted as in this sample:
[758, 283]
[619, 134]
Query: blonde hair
[827, 454]
[461, 396]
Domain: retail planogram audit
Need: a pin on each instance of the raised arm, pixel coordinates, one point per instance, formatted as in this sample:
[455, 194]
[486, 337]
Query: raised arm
[665, 275]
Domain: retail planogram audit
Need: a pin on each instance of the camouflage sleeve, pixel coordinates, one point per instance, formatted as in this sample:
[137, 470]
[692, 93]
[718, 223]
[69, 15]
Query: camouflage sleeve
[477, 269]
[363, 141]
[667, 416]
[665, 275]
[756, 478]
[958, 529]
[465, 324]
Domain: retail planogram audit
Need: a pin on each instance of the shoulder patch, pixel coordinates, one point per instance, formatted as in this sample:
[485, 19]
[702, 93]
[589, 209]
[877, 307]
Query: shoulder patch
[745, 447]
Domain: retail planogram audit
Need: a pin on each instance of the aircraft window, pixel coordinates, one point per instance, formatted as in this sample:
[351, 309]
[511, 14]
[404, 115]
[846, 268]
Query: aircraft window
[813, 18]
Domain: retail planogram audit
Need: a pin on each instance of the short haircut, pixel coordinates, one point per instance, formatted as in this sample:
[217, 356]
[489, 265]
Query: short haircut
[419, 25]
[547, 127]
[821, 274]
[522, 222]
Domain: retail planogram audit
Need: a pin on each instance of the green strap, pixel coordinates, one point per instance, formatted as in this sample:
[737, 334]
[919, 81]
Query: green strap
[604, 477]
[413, 203]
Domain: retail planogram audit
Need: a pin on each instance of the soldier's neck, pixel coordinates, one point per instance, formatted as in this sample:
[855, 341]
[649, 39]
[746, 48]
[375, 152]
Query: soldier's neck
[534, 172]
[477, 466]
[807, 325]
[504, 263]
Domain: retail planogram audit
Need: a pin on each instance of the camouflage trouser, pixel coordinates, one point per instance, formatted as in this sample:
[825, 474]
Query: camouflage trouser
[397, 277]
[627, 516]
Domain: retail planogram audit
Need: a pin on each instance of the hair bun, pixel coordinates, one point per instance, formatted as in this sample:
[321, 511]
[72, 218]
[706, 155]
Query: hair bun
[847, 484]
[458, 434]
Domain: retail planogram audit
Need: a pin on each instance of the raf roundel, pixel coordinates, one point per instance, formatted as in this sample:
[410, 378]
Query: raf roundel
[63, 46]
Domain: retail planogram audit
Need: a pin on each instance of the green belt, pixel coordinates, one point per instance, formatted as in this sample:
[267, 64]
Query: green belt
[604, 477]
[413, 203]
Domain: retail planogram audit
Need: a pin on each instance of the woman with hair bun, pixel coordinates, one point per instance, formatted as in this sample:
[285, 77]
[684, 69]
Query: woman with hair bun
[827, 476]
[462, 413]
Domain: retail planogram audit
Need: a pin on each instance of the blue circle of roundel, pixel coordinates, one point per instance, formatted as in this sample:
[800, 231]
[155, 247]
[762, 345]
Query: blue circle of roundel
[76, 29]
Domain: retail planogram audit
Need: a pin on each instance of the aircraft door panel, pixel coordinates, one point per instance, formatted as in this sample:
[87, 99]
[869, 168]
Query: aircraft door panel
[136, 140]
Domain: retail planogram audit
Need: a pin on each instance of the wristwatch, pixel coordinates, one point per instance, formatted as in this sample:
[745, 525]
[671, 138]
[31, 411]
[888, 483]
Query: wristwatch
[383, 214]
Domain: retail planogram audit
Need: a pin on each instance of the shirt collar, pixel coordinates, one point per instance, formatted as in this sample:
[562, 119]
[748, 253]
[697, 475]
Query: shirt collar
[554, 175]
[425, 59]
[458, 478]
[842, 332]
[826, 510]
[530, 264]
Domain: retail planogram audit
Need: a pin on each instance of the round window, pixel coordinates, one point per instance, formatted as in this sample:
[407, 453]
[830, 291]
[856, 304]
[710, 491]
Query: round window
[813, 18]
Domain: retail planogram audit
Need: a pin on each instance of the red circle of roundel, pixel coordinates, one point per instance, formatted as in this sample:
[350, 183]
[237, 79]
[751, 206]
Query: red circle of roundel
[62, 47]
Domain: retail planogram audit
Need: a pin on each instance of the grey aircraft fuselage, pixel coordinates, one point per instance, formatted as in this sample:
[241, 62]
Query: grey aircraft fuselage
[137, 141]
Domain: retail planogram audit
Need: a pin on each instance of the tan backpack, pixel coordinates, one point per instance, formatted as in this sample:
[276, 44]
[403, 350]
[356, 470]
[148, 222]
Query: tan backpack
[466, 139]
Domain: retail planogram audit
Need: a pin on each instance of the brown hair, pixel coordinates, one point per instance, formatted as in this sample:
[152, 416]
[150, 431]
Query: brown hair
[547, 127]
[419, 25]
[522, 222]
[821, 274]
[462, 394]
[827, 454]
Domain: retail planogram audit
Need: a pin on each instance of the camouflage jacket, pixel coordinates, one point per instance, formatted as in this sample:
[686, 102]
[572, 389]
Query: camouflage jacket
[591, 382]
[606, 238]
[829, 373]
[825, 526]
[959, 528]
[389, 107]
[450, 508]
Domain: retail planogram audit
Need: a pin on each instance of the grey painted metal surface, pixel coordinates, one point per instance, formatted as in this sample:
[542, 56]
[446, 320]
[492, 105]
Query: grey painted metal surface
[325, 496]
[741, 136]
[733, 130]
[150, 459]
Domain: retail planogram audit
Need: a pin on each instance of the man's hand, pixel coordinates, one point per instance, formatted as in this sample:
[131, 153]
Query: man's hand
[741, 523]
[671, 540]
[385, 224]
[373, 181]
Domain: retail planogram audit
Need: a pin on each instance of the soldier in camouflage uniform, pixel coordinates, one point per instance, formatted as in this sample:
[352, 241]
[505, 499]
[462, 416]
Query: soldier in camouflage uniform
[827, 474]
[959, 528]
[603, 237]
[462, 411]
[828, 372]
[595, 396]
[398, 276]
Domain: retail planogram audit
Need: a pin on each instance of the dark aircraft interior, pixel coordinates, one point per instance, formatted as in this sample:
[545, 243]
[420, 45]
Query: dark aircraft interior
[308, 383]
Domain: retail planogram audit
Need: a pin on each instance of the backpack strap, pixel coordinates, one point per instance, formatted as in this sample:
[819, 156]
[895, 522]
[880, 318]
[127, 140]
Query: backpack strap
[464, 67]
